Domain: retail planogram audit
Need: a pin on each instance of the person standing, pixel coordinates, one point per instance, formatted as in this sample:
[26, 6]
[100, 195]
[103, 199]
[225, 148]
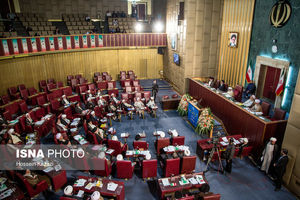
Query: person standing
[279, 168]
[229, 153]
[269, 154]
[154, 89]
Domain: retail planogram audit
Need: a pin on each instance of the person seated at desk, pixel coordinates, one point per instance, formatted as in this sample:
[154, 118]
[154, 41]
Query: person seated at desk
[115, 138]
[94, 129]
[14, 137]
[222, 86]
[60, 139]
[90, 104]
[114, 99]
[151, 105]
[64, 120]
[33, 178]
[88, 94]
[60, 126]
[249, 103]
[94, 118]
[98, 93]
[79, 110]
[139, 106]
[242, 146]
[230, 92]
[211, 82]
[102, 102]
[29, 121]
[257, 107]
[125, 106]
[64, 100]
[250, 89]
[102, 156]
[112, 109]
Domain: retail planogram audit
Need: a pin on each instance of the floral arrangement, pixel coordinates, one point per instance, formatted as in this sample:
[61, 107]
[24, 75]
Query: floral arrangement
[205, 122]
[183, 105]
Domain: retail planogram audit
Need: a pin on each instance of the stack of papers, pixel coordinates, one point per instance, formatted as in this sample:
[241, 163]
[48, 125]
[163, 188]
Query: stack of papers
[112, 186]
[89, 186]
[3, 187]
[193, 181]
[259, 113]
[200, 179]
[124, 135]
[183, 181]
[80, 183]
[109, 151]
[225, 139]
[57, 167]
[224, 143]
[80, 193]
[48, 169]
[165, 182]
[129, 153]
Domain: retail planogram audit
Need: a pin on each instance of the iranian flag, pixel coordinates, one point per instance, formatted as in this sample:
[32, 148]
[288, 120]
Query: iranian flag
[280, 86]
[249, 74]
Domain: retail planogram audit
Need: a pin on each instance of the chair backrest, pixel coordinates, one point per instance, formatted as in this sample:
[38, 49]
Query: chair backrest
[23, 107]
[50, 80]
[92, 87]
[60, 84]
[74, 82]
[172, 167]
[179, 140]
[104, 73]
[96, 74]
[110, 85]
[265, 108]
[21, 87]
[99, 78]
[32, 91]
[78, 76]
[136, 83]
[5, 99]
[140, 145]
[24, 94]
[101, 167]
[116, 145]
[279, 114]
[138, 94]
[188, 164]
[70, 77]
[12, 90]
[149, 168]
[108, 78]
[238, 91]
[67, 91]
[55, 104]
[39, 113]
[124, 169]
[43, 83]
[68, 112]
[161, 143]
[7, 115]
[51, 86]
[82, 89]
[128, 89]
[137, 88]
[127, 84]
[41, 100]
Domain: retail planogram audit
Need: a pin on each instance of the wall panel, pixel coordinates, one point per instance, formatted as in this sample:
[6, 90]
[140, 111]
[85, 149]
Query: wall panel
[237, 17]
[29, 70]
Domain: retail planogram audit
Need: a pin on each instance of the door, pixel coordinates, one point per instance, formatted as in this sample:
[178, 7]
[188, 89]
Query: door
[271, 81]
[141, 10]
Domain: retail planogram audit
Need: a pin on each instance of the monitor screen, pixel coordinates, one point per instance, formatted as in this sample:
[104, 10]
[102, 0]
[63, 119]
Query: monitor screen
[176, 59]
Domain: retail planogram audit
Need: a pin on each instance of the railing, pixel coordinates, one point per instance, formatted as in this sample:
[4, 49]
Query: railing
[10, 47]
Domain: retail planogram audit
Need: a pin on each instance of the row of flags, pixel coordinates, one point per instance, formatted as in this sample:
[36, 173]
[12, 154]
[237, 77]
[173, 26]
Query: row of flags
[280, 85]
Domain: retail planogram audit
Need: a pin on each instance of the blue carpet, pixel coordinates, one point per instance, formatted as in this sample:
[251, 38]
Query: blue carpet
[245, 182]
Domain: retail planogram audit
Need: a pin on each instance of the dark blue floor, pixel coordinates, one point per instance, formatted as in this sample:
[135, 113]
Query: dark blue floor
[245, 182]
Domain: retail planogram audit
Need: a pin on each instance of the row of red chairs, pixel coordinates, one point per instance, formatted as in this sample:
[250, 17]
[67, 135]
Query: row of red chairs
[129, 75]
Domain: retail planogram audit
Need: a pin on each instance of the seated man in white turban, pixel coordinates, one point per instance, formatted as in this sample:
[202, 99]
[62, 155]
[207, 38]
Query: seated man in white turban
[102, 102]
[60, 126]
[15, 137]
[114, 99]
[230, 92]
[249, 103]
[64, 100]
[97, 131]
[151, 104]
[139, 106]
[90, 104]
[64, 120]
[60, 139]
[257, 107]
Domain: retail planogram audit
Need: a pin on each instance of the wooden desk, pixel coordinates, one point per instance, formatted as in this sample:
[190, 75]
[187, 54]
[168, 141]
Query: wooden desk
[237, 120]
[170, 104]
[169, 189]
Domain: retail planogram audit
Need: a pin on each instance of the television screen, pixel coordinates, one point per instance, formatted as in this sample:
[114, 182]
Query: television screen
[176, 58]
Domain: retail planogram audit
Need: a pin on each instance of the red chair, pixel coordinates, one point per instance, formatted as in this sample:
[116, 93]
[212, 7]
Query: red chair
[179, 140]
[60, 84]
[127, 83]
[13, 92]
[111, 85]
[124, 96]
[188, 164]
[279, 114]
[67, 91]
[92, 88]
[59, 180]
[23, 107]
[246, 151]
[138, 88]
[147, 95]
[24, 94]
[140, 145]
[238, 92]
[21, 87]
[172, 167]
[149, 168]
[50, 80]
[124, 169]
[40, 112]
[116, 145]
[32, 91]
[265, 108]
[69, 78]
[135, 83]
[5, 99]
[104, 73]
[82, 89]
[7, 115]
[68, 112]
[74, 83]
[55, 106]
[137, 95]
[101, 167]
[99, 78]
[128, 90]
[102, 85]
[90, 137]
[82, 80]
[161, 143]
[43, 85]
[108, 78]
[40, 187]
[51, 86]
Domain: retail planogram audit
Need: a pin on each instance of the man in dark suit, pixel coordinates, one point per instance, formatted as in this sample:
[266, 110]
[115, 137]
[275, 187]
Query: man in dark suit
[222, 86]
[279, 168]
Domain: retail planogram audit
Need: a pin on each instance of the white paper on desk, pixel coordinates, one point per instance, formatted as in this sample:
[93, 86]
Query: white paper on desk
[171, 148]
[129, 153]
[48, 169]
[6, 194]
[165, 182]
[224, 143]
[123, 134]
[80, 193]
[48, 116]
[83, 142]
[80, 183]
[109, 151]
[225, 139]
[39, 122]
[236, 141]
[74, 123]
[193, 181]
[89, 186]
[2, 180]
[112, 186]
[57, 167]
[200, 179]
[259, 113]
[77, 137]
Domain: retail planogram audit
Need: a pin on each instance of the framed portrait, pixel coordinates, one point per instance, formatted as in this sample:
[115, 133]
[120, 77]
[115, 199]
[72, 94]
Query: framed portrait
[174, 41]
[233, 39]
